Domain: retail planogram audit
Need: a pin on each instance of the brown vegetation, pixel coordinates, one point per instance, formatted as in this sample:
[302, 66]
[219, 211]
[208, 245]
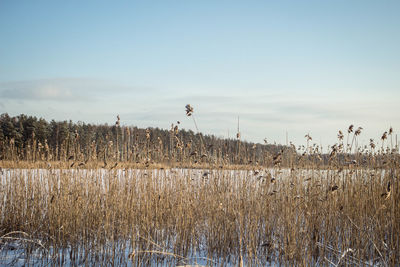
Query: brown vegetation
[305, 208]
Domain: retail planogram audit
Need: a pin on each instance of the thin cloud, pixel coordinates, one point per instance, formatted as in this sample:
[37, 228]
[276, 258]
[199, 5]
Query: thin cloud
[261, 116]
[43, 93]
[66, 89]
[55, 90]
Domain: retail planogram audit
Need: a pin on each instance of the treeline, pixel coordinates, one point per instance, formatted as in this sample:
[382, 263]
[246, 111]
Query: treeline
[31, 139]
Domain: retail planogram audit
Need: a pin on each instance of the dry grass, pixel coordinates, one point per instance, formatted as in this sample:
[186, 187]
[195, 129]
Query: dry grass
[172, 216]
[307, 208]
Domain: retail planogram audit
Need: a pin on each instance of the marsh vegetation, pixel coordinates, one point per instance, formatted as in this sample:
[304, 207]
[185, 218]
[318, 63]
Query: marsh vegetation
[250, 204]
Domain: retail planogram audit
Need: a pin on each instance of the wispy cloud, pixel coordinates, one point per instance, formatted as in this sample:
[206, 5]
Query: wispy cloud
[43, 93]
[261, 114]
[65, 89]
[45, 89]
[271, 115]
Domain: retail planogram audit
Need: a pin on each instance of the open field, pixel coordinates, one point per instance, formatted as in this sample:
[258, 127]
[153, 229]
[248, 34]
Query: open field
[188, 216]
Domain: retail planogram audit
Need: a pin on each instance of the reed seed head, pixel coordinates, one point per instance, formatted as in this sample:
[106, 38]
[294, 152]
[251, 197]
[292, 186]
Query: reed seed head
[189, 110]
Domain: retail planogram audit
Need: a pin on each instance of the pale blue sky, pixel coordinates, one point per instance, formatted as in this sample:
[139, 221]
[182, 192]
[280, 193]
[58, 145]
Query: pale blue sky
[296, 66]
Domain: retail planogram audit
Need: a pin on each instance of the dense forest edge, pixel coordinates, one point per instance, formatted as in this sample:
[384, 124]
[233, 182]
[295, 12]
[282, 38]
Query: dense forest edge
[27, 139]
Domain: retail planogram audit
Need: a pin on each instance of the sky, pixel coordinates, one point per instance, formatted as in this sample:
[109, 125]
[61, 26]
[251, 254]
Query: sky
[294, 67]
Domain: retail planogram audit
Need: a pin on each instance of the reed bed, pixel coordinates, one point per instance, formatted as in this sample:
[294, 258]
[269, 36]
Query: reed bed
[170, 217]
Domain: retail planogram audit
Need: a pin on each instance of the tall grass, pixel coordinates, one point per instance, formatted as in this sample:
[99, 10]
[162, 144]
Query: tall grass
[175, 216]
[124, 204]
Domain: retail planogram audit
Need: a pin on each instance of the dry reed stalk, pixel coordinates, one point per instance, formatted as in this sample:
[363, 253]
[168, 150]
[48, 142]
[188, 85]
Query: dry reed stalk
[223, 214]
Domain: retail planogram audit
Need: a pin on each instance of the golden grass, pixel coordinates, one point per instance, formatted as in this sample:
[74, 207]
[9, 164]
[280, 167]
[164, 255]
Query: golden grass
[170, 216]
[187, 207]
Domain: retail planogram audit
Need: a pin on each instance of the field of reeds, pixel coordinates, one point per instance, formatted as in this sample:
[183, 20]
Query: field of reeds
[210, 217]
[169, 200]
